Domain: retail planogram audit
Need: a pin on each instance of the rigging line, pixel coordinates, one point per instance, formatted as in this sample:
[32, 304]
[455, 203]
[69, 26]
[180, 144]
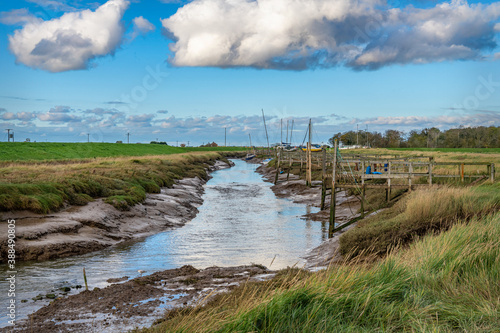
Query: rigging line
[305, 136]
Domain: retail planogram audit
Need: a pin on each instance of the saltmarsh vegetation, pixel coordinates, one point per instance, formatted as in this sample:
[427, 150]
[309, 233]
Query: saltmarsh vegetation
[46, 186]
[446, 282]
[429, 262]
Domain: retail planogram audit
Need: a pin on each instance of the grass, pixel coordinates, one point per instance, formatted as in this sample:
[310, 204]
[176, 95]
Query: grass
[441, 283]
[420, 212]
[451, 150]
[47, 186]
[29, 151]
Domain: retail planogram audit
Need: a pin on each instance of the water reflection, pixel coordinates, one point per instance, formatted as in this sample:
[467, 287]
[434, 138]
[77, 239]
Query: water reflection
[240, 222]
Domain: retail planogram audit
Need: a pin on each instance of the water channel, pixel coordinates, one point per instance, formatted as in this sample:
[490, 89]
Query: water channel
[240, 222]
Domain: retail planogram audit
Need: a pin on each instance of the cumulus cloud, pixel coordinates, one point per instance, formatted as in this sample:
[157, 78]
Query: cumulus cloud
[141, 26]
[71, 41]
[302, 34]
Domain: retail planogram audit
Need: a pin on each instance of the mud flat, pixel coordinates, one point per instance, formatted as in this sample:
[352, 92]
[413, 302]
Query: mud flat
[97, 225]
[295, 189]
[137, 303]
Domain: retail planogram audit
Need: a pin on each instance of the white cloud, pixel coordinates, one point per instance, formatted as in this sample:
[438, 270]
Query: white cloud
[304, 34]
[141, 27]
[71, 41]
[53, 4]
[17, 16]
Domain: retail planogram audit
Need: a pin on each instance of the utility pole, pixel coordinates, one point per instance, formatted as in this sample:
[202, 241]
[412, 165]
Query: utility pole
[177, 143]
[265, 127]
[357, 134]
[225, 137]
[367, 135]
[88, 137]
[188, 144]
[128, 137]
[8, 133]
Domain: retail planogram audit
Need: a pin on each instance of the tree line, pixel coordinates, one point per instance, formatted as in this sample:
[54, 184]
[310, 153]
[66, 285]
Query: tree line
[462, 137]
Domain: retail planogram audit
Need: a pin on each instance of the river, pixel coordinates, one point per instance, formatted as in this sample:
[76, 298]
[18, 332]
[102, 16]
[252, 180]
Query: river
[240, 222]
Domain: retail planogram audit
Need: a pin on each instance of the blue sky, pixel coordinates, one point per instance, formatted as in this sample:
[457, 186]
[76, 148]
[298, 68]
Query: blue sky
[184, 71]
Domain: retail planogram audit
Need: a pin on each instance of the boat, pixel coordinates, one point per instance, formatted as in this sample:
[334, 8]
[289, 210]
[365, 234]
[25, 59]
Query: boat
[249, 157]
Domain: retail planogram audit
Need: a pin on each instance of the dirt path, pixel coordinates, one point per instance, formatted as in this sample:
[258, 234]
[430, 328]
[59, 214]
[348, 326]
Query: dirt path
[97, 225]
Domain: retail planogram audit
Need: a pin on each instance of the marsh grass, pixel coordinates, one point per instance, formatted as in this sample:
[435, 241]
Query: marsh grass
[441, 283]
[419, 212]
[123, 181]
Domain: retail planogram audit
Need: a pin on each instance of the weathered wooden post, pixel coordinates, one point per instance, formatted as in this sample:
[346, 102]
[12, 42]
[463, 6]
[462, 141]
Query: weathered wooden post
[323, 179]
[309, 158]
[277, 167]
[388, 190]
[430, 170]
[492, 172]
[332, 197]
[462, 172]
[289, 166]
[410, 170]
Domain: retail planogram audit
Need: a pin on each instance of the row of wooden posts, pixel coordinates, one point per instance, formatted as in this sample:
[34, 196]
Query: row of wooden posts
[350, 171]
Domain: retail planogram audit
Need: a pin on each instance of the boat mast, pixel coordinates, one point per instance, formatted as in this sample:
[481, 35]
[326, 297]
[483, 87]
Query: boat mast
[265, 127]
[309, 156]
[291, 134]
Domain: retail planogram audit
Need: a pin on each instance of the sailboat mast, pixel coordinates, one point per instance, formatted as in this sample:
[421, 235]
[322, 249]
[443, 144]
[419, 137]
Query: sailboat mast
[265, 127]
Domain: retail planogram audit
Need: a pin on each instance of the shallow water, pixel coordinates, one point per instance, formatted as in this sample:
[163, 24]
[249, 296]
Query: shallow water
[240, 222]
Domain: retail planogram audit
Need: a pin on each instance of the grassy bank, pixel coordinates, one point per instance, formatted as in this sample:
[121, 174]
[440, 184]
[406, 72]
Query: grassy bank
[441, 283]
[29, 151]
[43, 187]
[418, 213]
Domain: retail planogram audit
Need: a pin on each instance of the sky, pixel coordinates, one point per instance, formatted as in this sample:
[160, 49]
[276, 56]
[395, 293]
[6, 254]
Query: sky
[187, 71]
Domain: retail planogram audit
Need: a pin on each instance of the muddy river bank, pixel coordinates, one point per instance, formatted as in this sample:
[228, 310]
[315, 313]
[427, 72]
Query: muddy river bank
[244, 225]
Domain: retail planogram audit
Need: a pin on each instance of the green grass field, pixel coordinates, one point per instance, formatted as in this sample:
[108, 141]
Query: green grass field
[452, 150]
[26, 151]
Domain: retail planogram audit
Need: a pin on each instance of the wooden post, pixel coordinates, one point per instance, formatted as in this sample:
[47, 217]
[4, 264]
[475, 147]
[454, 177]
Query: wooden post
[430, 171]
[492, 172]
[410, 170]
[332, 197]
[323, 180]
[388, 191]
[363, 197]
[277, 168]
[462, 171]
[85, 279]
[289, 167]
[300, 170]
[309, 158]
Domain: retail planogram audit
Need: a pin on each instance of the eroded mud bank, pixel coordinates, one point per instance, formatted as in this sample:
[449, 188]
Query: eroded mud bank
[82, 229]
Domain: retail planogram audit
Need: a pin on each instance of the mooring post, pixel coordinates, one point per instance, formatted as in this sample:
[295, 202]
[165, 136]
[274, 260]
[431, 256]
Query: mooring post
[85, 279]
[323, 179]
[492, 172]
[289, 166]
[277, 168]
[462, 173]
[332, 197]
